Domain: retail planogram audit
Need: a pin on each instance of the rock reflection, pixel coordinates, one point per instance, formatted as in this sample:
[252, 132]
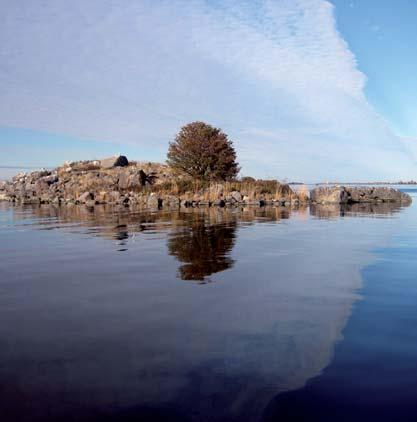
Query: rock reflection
[331, 211]
[121, 232]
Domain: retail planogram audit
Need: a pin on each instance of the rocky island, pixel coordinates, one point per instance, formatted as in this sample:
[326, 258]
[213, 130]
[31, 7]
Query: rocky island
[116, 180]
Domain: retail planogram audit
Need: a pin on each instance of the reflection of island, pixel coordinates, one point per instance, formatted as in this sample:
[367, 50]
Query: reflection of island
[270, 326]
[201, 239]
[204, 248]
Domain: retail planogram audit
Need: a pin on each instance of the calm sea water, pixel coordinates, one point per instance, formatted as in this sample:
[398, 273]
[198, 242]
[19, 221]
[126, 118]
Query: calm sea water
[113, 314]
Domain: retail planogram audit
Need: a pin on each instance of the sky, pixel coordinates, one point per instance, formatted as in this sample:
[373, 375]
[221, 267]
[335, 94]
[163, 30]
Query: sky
[308, 90]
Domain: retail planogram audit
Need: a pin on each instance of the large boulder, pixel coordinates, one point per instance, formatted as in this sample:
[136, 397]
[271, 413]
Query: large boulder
[352, 195]
[123, 180]
[379, 194]
[134, 181]
[116, 161]
[329, 195]
[237, 196]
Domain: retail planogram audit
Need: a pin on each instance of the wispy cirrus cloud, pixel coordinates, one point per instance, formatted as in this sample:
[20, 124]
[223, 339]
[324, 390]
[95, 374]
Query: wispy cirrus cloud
[276, 75]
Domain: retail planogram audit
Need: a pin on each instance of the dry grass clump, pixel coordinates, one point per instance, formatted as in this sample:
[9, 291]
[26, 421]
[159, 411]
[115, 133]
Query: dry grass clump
[255, 189]
[212, 191]
[303, 193]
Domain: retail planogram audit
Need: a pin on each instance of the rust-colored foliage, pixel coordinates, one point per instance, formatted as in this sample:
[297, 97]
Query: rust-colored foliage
[203, 152]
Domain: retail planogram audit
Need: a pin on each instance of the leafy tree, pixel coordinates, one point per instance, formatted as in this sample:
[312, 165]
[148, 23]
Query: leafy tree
[203, 152]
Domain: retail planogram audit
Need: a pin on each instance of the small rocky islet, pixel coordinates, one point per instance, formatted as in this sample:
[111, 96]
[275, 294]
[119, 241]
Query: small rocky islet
[116, 180]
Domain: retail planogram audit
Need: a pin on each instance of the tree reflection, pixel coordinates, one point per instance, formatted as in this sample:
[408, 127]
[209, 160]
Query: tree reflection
[201, 239]
[203, 248]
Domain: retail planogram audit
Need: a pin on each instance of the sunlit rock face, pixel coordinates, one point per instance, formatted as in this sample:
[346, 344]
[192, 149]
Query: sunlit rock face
[273, 290]
[353, 195]
[116, 161]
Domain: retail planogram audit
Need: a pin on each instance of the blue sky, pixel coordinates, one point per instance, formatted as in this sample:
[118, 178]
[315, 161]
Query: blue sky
[382, 35]
[307, 89]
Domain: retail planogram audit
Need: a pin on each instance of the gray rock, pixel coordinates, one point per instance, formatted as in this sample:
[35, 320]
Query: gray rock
[50, 179]
[86, 196]
[219, 203]
[379, 194]
[117, 161]
[349, 195]
[134, 181]
[123, 181]
[172, 201]
[237, 196]
[329, 195]
[45, 198]
[153, 201]
[90, 203]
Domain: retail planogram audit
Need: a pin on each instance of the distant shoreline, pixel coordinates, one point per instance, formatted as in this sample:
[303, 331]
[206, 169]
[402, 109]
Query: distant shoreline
[412, 182]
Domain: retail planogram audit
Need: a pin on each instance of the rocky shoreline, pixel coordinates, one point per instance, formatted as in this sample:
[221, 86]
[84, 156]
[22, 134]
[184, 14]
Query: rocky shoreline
[115, 180]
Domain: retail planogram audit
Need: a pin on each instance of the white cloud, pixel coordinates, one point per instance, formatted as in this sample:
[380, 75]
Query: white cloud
[276, 75]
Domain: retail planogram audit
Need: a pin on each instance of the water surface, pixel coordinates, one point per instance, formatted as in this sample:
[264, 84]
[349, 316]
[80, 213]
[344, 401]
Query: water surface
[199, 314]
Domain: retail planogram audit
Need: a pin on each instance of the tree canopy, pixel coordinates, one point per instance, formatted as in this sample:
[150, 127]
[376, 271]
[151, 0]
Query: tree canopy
[203, 152]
